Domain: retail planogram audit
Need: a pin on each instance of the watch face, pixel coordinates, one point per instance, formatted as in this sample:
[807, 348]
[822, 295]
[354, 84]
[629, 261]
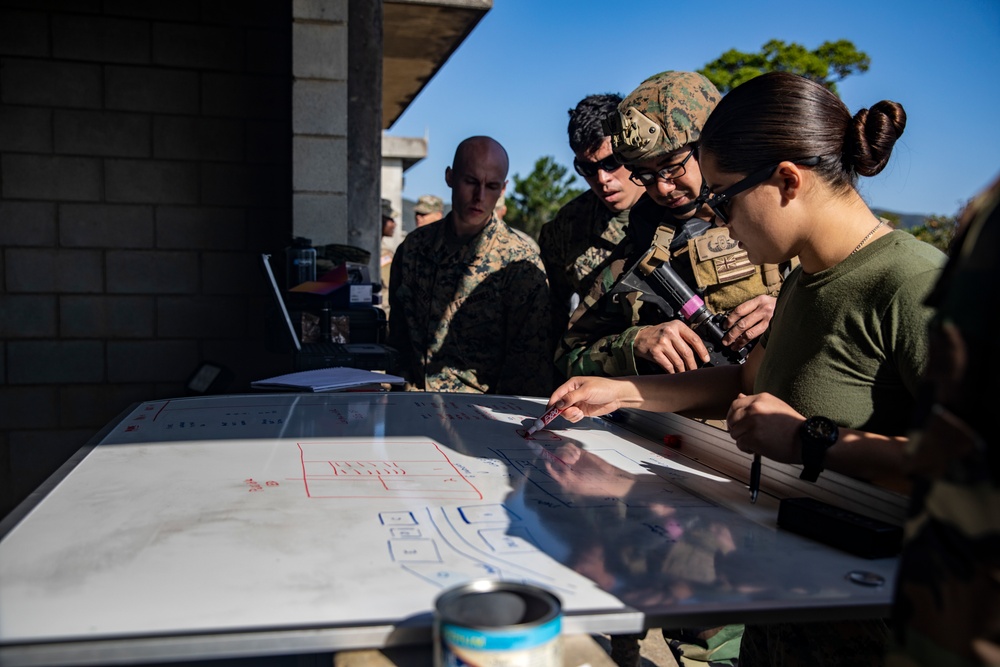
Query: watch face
[821, 428]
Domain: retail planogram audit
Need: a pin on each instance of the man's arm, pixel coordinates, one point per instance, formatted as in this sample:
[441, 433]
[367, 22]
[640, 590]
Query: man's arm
[528, 369]
[400, 294]
[602, 331]
[609, 356]
[608, 335]
[551, 242]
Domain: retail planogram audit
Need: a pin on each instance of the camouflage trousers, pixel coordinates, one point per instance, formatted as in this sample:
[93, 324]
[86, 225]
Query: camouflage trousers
[691, 647]
[859, 643]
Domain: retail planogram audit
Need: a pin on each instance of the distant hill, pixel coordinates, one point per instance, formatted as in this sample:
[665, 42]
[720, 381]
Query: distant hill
[906, 220]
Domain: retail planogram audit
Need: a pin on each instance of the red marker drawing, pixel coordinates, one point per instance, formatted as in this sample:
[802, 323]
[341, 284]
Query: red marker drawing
[544, 420]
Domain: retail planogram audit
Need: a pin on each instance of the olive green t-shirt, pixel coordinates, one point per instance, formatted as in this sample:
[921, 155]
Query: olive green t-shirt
[850, 342]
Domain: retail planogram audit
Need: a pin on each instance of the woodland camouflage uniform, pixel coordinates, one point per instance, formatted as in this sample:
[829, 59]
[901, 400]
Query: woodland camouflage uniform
[575, 246]
[946, 610]
[470, 316]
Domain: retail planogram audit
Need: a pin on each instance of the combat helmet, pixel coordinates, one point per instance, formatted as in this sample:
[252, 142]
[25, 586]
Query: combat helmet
[666, 112]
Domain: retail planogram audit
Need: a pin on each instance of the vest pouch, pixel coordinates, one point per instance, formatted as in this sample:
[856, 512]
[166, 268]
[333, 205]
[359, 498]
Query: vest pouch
[723, 270]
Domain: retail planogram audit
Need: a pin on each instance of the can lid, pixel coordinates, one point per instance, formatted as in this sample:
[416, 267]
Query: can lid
[497, 604]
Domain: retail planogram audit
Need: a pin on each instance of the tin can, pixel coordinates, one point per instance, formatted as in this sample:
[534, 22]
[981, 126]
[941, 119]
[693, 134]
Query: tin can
[489, 623]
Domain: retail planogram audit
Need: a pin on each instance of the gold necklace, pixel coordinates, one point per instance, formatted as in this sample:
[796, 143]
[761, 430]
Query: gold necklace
[868, 236]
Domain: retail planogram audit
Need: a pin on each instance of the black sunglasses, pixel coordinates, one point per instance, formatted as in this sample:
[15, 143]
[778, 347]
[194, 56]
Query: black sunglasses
[721, 202]
[590, 169]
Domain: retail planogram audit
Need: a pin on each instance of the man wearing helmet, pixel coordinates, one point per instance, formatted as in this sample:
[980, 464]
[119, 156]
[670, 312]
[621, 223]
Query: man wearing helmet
[654, 133]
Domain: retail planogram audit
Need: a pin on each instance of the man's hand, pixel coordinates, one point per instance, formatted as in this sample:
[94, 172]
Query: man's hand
[748, 320]
[673, 346]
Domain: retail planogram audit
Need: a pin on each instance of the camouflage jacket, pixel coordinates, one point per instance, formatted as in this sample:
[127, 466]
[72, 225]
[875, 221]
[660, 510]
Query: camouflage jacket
[575, 246]
[603, 328]
[947, 601]
[470, 316]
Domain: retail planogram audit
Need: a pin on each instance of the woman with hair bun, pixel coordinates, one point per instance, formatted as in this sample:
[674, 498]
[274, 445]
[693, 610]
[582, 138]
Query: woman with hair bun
[833, 382]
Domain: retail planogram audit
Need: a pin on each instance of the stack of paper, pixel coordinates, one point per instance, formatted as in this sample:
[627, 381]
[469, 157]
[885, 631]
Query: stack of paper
[327, 379]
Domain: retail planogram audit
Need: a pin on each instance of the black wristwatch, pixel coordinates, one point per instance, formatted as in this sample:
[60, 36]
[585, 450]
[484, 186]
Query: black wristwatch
[817, 434]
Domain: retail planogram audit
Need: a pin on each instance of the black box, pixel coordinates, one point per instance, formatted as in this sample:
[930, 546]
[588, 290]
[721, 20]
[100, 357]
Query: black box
[366, 325]
[840, 528]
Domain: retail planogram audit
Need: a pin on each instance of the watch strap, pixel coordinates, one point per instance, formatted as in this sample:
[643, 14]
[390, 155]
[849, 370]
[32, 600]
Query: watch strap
[817, 434]
[810, 471]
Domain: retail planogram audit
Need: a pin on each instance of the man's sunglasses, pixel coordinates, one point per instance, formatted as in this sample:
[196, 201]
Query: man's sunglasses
[721, 203]
[590, 169]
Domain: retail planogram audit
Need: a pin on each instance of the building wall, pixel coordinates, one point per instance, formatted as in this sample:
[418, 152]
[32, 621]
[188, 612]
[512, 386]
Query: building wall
[319, 120]
[398, 155]
[145, 161]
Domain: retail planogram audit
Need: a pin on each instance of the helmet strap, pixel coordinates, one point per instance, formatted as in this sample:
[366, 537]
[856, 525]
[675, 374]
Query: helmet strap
[699, 200]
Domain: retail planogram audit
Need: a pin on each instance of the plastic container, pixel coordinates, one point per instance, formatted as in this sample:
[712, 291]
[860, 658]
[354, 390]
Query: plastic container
[300, 260]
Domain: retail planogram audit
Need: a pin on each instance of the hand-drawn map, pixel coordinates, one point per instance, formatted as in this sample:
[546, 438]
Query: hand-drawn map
[284, 512]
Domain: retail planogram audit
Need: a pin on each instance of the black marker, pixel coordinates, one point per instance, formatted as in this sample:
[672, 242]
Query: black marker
[754, 478]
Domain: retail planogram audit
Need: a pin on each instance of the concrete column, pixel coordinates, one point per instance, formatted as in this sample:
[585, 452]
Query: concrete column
[364, 127]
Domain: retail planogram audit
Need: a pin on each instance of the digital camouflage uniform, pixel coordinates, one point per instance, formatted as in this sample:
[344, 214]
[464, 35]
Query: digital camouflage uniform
[946, 610]
[470, 316]
[575, 246]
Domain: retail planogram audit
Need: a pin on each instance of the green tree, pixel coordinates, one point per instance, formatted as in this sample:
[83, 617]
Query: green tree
[537, 197]
[893, 218]
[826, 65]
[938, 230]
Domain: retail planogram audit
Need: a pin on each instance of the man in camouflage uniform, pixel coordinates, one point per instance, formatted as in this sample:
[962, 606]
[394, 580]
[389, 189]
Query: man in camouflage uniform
[428, 209]
[468, 298]
[654, 134]
[947, 600]
[576, 244]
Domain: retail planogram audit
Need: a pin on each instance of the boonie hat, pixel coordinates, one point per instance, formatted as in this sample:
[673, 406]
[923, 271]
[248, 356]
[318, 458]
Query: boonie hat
[665, 113]
[428, 204]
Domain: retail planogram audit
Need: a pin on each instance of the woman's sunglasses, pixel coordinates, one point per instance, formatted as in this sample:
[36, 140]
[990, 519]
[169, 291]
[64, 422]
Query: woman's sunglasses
[721, 203]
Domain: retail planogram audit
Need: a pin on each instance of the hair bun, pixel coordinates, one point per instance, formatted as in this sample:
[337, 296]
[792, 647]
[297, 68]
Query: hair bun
[871, 136]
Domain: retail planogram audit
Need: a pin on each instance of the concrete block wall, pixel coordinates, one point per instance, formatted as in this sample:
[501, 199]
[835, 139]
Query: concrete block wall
[145, 161]
[319, 120]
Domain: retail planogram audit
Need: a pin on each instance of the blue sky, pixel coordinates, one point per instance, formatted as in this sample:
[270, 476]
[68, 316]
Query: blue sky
[528, 62]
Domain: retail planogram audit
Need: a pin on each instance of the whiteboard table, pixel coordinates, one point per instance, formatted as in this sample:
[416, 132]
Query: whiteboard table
[292, 523]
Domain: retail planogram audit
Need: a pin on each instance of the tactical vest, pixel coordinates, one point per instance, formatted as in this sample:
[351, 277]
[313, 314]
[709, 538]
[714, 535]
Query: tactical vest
[722, 270]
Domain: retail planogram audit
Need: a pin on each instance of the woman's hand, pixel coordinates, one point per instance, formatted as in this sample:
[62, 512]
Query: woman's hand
[581, 397]
[764, 424]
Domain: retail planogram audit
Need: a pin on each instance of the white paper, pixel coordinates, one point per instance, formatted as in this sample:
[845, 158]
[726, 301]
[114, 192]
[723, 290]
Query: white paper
[326, 379]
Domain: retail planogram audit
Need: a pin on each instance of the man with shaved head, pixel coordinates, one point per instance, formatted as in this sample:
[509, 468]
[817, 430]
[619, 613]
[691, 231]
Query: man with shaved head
[468, 298]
